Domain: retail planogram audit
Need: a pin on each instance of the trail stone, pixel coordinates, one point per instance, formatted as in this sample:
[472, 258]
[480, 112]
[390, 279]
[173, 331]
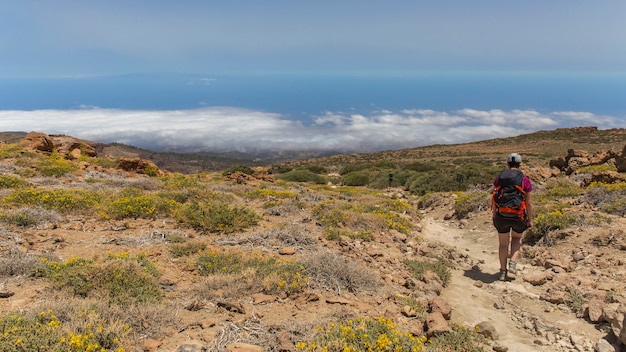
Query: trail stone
[150, 345]
[285, 344]
[436, 324]
[554, 296]
[500, 348]
[408, 312]
[260, 298]
[604, 346]
[6, 294]
[615, 314]
[190, 347]
[438, 304]
[536, 278]
[488, 330]
[595, 308]
[287, 251]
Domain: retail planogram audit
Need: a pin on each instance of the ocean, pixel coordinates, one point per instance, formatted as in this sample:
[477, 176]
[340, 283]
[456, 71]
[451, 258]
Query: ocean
[304, 96]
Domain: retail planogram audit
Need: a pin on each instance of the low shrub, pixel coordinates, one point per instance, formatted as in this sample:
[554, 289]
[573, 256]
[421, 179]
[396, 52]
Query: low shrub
[63, 200]
[548, 220]
[183, 250]
[132, 203]
[211, 217]
[558, 188]
[441, 268]
[575, 299]
[337, 273]
[363, 334]
[120, 278]
[596, 168]
[55, 166]
[318, 169]
[356, 178]
[45, 330]
[10, 151]
[8, 181]
[244, 169]
[608, 197]
[264, 274]
[363, 217]
[471, 202]
[459, 339]
[270, 193]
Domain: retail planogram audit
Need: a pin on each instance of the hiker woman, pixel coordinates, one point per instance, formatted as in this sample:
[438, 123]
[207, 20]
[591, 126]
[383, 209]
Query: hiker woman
[511, 212]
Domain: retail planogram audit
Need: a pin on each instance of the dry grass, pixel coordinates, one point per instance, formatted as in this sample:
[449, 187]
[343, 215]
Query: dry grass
[336, 273]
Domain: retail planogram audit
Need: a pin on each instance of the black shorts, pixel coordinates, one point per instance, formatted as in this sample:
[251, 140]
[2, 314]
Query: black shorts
[504, 225]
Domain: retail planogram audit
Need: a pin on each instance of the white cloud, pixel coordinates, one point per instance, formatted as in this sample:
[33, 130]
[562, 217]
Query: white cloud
[226, 128]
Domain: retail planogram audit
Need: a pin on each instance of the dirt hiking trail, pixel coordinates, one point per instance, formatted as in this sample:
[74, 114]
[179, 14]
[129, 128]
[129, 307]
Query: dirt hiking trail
[521, 319]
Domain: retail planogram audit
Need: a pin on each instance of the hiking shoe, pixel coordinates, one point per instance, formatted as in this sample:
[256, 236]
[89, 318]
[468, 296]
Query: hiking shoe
[502, 275]
[512, 267]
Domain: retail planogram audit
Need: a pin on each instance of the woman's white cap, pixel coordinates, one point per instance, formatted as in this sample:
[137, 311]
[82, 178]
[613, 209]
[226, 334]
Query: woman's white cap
[514, 158]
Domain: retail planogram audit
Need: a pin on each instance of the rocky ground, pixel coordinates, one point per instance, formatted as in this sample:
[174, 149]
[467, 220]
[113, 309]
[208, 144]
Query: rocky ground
[527, 313]
[530, 312]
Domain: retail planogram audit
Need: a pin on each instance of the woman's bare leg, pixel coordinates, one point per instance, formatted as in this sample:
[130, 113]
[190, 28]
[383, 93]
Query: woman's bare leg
[516, 245]
[503, 249]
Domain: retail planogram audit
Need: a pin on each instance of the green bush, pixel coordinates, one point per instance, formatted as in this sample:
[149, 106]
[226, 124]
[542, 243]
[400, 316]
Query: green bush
[8, 181]
[120, 278]
[355, 178]
[608, 197]
[55, 166]
[545, 221]
[380, 180]
[180, 250]
[211, 217]
[9, 151]
[245, 169]
[363, 334]
[63, 200]
[557, 188]
[46, 332]
[471, 202]
[302, 176]
[318, 169]
[21, 219]
[421, 166]
[346, 169]
[459, 339]
[271, 275]
[441, 268]
[133, 203]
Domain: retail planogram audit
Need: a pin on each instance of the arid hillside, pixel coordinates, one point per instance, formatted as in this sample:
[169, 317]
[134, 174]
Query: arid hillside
[392, 251]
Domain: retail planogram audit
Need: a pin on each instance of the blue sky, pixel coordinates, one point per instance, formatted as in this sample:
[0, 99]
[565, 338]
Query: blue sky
[73, 38]
[77, 39]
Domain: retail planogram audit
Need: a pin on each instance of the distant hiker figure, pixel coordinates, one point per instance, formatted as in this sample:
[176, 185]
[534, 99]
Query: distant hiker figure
[512, 212]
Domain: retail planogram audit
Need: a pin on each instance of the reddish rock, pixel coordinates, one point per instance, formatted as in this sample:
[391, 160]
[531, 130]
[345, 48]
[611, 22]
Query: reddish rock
[140, 166]
[436, 324]
[438, 304]
[38, 141]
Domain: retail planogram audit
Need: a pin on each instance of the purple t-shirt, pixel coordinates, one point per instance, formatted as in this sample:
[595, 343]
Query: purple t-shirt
[525, 183]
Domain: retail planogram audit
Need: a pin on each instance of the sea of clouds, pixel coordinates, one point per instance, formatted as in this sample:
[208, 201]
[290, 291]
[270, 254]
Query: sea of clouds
[218, 129]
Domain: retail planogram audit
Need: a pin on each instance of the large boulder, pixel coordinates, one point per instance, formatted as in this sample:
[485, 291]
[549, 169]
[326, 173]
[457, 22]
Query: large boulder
[37, 141]
[140, 166]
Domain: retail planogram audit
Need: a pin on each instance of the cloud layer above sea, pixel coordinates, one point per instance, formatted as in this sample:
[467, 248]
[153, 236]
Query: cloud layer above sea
[218, 129]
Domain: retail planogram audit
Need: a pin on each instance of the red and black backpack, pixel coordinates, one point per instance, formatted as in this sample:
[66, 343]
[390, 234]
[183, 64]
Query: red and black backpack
[508, 196]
